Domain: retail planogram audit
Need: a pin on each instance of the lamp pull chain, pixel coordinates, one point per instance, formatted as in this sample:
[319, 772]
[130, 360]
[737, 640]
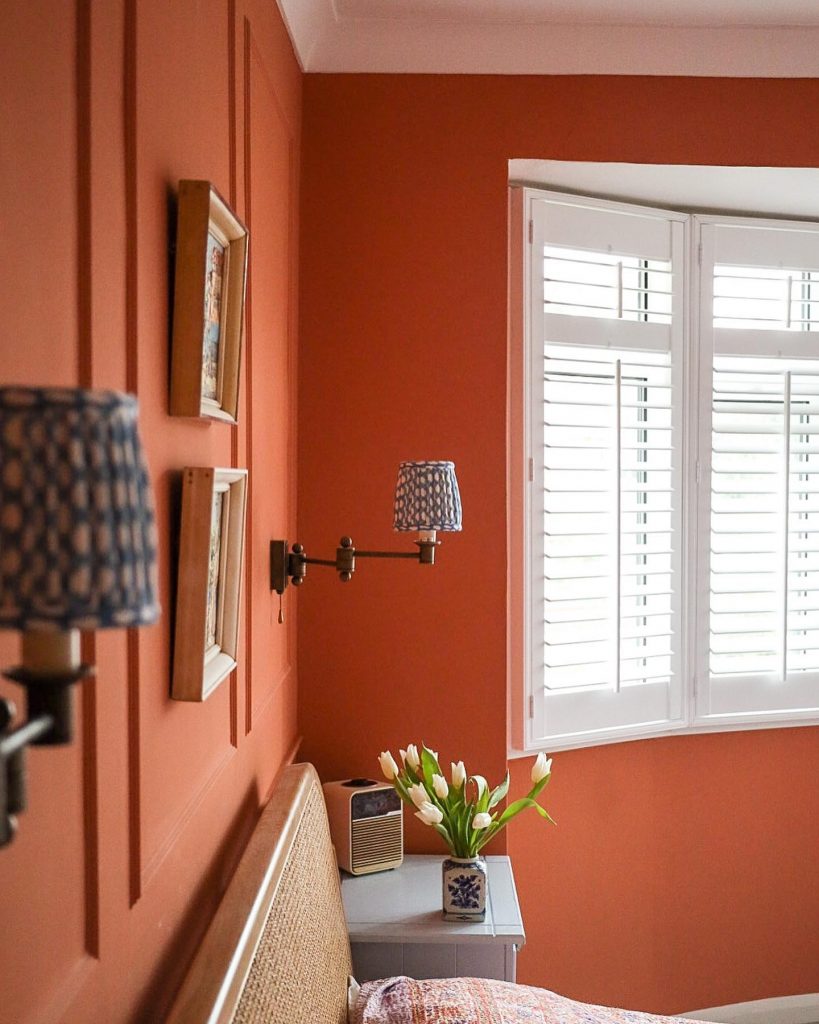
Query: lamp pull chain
[281, 613]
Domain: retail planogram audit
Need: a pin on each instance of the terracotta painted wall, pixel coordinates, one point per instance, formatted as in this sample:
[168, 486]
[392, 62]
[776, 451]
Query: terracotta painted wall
[682, 873]
[133, 831]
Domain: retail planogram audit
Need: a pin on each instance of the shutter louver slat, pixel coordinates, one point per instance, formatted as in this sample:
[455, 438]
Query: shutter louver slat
[774, 570]
[607, 485]
[765, 298]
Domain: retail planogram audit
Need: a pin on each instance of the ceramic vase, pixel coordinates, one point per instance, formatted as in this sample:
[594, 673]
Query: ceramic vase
[464, 888]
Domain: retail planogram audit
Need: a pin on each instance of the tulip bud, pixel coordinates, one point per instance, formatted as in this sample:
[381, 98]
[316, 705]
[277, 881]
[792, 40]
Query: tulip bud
[418, 795]
[458, 774]
[541, 768]
[410, 757]
[482, 820]
[429, 814]
[440, 787]
[388, 765]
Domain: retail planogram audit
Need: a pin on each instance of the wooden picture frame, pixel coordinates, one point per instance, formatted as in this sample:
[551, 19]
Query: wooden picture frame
[208, 306]
[211, 544]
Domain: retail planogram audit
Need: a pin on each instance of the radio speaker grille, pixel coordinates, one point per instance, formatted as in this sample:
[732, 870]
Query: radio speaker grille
[376, 841]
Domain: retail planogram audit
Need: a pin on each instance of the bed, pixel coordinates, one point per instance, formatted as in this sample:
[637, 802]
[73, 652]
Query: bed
[277, 950]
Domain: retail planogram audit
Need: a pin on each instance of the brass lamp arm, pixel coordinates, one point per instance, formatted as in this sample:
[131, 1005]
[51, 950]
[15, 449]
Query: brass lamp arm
[290, 566]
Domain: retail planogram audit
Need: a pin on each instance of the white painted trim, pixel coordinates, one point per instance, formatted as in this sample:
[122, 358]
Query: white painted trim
[646, 733]
[328, 42]
[782, 1010]
[761, 191]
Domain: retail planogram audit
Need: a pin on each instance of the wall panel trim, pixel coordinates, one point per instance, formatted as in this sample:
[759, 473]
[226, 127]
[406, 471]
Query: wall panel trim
[233, 175]
[90, 769]
[186, 816]
[248, 346]
[131, 384]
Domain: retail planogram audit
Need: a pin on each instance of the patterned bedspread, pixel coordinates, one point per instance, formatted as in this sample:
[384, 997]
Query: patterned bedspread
[478, 1001]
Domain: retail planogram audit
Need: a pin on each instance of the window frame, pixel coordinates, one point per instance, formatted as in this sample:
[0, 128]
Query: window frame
[695, 441]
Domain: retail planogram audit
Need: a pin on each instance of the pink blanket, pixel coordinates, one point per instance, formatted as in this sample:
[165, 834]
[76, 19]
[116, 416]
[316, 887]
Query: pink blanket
[478, 1001]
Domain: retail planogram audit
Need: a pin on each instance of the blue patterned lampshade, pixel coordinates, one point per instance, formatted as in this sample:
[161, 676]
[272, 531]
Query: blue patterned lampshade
[77, 531]
[427, 497]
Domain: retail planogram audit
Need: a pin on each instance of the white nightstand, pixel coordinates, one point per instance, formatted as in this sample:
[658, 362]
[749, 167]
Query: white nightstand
[394, 919]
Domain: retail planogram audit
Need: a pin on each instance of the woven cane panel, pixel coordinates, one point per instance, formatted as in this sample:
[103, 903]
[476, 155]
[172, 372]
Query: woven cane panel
[299, 973]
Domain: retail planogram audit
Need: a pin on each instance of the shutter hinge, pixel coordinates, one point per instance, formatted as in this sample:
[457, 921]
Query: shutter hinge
[531, 232]
[531, 470]
[531, 706]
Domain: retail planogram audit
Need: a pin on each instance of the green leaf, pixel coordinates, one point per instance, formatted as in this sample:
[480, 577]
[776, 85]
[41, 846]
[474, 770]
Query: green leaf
[499, 793]
[442, 831]
[482, 803]
[401, 789]
[488, 835]
[538, 787]
[520, 805]
[429, 764]
[464, 817]
[411, 774]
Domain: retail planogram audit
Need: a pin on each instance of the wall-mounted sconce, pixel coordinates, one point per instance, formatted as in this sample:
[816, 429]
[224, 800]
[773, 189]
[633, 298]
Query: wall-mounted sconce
[77, 552]
[426, 500]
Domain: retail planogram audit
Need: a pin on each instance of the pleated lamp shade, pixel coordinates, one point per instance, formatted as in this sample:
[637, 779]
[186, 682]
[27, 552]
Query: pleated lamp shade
[427, 497]
[77, 530]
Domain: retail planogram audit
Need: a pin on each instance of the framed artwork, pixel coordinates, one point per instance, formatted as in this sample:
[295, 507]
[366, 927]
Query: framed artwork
[209, 584]
[208, 306]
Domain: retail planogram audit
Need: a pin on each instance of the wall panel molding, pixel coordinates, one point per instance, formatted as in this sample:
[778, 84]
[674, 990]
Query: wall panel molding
[275, 687]
[152, 866]
[88, 702]
[255, 702]
[232, 196]
[131, 384]
[246, 143]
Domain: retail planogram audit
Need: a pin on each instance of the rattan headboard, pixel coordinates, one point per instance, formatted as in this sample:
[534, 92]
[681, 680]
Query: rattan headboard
[277, 949]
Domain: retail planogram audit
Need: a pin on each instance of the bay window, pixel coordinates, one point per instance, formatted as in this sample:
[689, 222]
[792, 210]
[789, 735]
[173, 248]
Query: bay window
[671, 471]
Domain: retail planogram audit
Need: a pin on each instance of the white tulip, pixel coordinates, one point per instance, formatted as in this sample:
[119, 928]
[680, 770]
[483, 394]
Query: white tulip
[482, 820]
[458, 774]
[410, 757]
[388, 765]
[418, 795]
[429, 814]
[440, 787]
[541, 768]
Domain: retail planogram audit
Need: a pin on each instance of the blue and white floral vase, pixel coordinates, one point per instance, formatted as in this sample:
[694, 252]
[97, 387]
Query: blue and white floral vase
[464, 888]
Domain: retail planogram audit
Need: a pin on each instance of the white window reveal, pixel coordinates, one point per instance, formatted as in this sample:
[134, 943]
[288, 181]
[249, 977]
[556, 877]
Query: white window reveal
[672, 532]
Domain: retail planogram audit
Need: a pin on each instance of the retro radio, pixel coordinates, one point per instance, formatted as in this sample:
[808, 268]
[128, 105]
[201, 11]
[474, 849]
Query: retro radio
[366, 824]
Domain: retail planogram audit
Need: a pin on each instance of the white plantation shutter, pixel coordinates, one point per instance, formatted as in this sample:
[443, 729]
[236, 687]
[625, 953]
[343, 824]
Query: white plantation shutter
[672, 441]
[758, 633]
[604, 414]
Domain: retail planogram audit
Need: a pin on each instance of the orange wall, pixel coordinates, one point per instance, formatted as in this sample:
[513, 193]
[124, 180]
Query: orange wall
[682, 873]
[132, 831]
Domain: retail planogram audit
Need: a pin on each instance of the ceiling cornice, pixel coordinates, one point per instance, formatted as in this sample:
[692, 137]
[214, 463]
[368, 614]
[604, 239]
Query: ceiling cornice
[326, 43]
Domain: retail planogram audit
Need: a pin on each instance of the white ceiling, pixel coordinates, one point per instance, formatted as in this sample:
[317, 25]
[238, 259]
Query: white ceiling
[747, 38]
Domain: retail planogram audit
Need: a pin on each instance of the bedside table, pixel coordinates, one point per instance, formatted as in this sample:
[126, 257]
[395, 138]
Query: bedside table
[395, 924]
